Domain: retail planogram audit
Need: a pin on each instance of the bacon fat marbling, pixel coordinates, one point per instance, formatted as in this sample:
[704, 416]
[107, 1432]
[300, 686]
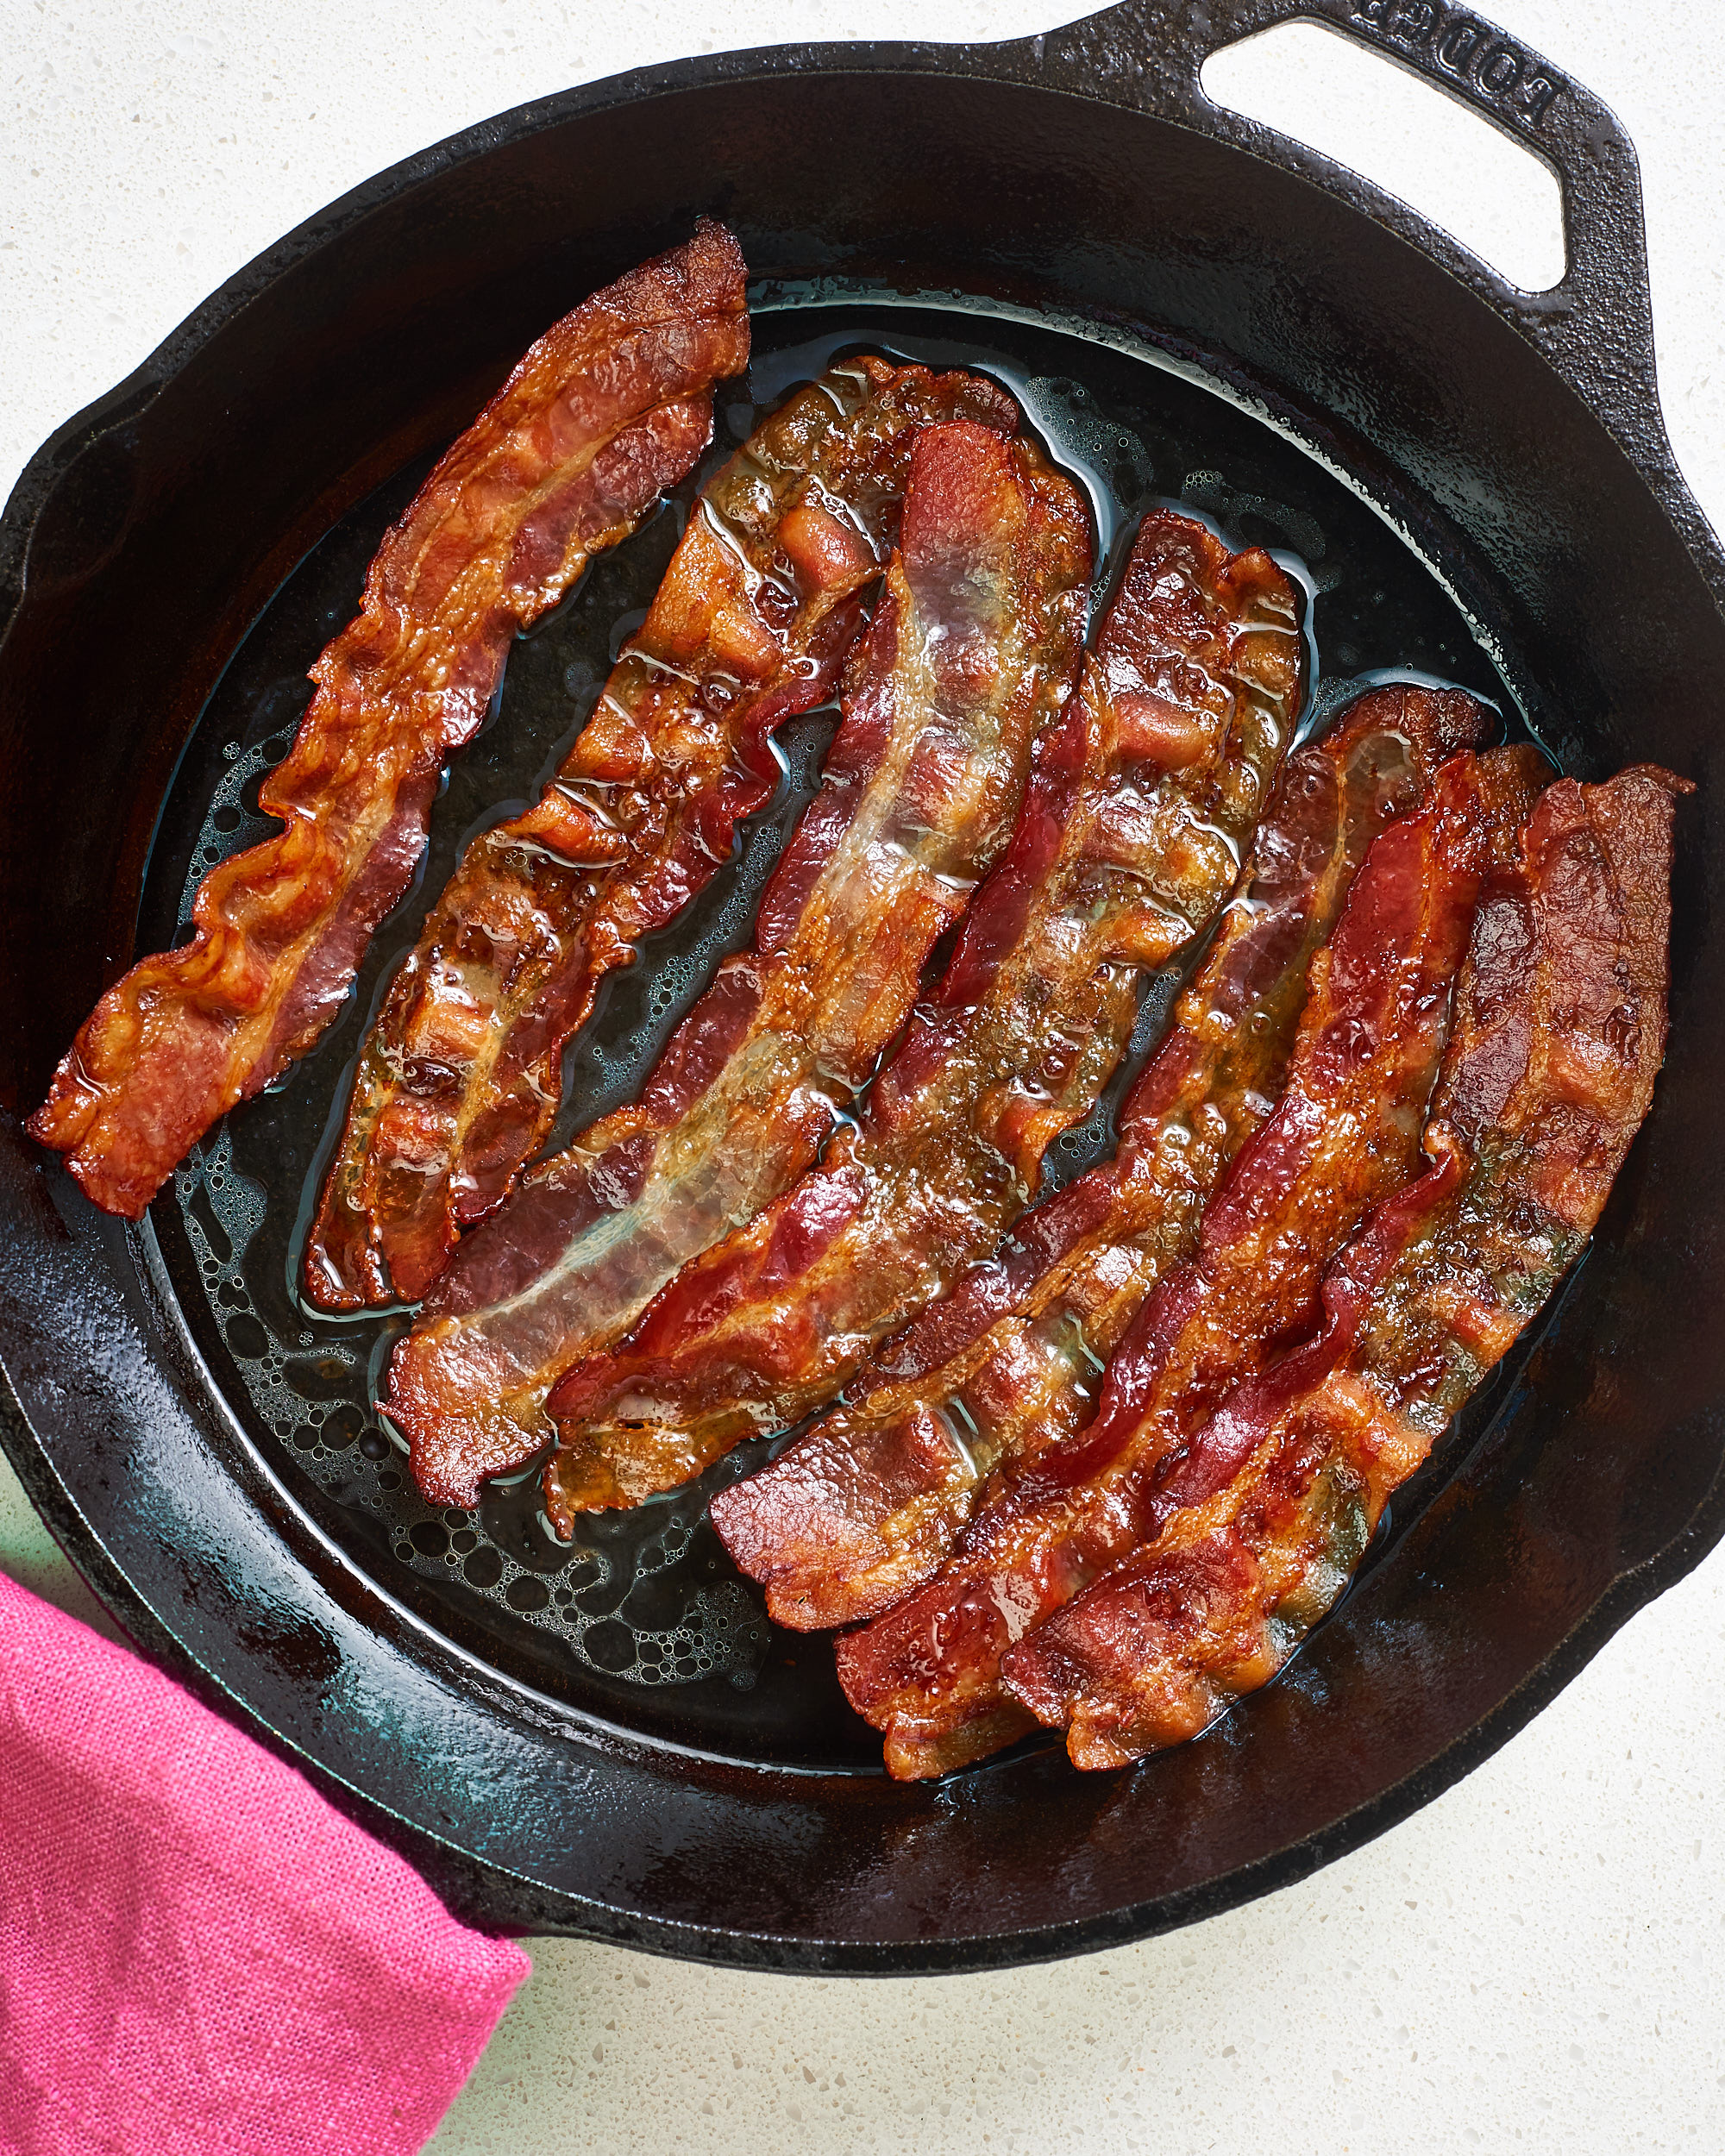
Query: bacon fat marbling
[868, 1503]
[1345, 1135]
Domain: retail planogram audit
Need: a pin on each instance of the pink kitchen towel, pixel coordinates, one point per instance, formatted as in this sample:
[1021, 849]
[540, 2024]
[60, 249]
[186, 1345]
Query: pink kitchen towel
[198, 1955]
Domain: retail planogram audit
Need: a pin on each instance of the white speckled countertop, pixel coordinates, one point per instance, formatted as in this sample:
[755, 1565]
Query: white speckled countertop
[1536, 1960]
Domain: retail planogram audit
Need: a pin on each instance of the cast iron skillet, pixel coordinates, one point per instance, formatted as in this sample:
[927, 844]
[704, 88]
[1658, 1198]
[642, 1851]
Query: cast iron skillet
[1079, 178]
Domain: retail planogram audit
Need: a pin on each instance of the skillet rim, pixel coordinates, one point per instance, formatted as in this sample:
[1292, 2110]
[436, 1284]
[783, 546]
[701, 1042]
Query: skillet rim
[472, 1882]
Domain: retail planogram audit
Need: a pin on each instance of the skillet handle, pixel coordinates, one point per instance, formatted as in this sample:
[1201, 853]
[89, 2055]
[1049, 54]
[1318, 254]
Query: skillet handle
[1594, 326]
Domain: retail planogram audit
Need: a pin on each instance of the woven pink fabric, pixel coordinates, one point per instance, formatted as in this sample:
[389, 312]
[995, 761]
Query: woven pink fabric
[198, 1955]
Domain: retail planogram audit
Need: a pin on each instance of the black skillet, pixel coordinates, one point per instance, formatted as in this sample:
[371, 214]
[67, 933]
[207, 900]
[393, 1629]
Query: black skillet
[1480, 483]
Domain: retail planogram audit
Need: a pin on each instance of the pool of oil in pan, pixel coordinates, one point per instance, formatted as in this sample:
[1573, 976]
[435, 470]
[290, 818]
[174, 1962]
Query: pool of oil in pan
[642, 1617]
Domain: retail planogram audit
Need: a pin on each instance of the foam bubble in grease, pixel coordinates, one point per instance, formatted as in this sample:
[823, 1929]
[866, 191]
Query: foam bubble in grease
[230, 827]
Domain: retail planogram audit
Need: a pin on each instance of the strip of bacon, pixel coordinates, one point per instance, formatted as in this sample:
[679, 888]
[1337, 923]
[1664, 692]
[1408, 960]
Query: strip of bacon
[866, 1504]
[610, 407]
[1559, 1033]
[975, 644]
[1343, 1136]
[1141, 803]
[460, 1078]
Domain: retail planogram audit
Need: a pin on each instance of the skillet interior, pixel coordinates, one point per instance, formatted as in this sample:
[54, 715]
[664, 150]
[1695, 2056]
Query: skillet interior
[162, 523]
[647, 1601]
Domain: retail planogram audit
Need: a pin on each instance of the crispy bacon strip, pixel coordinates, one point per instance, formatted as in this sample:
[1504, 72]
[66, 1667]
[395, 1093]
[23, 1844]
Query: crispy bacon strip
[610, 406]
[974, 643]
[1343, 1136]
[865, 1505]
[1559, 1033]
[460, 1078]
[1130, 838]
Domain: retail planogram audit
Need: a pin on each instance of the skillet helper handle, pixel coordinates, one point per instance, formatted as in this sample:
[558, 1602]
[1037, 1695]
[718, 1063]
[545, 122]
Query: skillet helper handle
[1594, 326]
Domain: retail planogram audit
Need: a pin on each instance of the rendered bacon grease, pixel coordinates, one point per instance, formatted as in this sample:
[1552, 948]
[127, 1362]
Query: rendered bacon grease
[1141, 801]
[973, 649]
[612, 405]
[1345, 1135]
[1549, 1074]
[460, 1078]
[869, 1501]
